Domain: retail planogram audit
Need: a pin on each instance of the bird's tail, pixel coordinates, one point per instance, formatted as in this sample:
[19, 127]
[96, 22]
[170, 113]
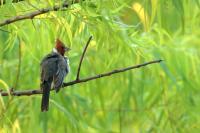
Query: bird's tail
[46, 87]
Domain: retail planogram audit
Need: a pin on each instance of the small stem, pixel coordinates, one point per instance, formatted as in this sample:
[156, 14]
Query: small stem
[82, 56]
[19, 64]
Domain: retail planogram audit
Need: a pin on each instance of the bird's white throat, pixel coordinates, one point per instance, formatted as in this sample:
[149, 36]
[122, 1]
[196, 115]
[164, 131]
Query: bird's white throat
[55, 50]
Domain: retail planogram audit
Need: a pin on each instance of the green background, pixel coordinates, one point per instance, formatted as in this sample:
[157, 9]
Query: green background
[160, 98]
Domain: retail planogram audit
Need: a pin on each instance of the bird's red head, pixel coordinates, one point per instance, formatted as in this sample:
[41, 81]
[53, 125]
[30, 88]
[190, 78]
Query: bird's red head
[60, 47]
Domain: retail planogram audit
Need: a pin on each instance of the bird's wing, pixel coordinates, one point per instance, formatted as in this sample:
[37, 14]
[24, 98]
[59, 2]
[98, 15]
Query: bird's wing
[49, 66]
[67, 63]
[61, 73]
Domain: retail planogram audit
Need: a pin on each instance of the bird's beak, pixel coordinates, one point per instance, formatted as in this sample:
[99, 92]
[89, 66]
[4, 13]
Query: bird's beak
[67, 49]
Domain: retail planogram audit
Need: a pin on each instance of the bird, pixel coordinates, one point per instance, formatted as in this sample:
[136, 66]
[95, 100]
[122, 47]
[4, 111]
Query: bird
[54, 68]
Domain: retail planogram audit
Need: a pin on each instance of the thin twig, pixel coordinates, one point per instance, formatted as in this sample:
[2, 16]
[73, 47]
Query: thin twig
[81, 60]
[5, 30]
[31, 15]
[19, 63]
[38, 91]
[2, 2]
[7, 106]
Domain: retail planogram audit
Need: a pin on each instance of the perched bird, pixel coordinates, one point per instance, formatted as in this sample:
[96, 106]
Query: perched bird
[54, 68]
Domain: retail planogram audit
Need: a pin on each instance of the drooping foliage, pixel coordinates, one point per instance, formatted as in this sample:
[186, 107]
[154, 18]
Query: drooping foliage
[159, 98]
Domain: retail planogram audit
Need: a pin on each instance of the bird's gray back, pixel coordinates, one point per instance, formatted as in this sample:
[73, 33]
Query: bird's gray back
[49, 66]
[54, 67]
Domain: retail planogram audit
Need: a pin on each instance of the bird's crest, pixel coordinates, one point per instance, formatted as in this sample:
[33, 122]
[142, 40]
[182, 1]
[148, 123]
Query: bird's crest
[60, 47]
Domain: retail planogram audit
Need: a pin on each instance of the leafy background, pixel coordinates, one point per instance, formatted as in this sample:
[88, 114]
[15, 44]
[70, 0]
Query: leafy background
[161, 98]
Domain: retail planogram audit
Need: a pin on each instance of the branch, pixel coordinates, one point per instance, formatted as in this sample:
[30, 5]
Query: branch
[38, 91]
[31, 15]
[81, 60]
[2, 2]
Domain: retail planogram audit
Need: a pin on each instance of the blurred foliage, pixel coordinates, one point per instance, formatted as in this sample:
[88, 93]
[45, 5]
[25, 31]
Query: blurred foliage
[161, 98]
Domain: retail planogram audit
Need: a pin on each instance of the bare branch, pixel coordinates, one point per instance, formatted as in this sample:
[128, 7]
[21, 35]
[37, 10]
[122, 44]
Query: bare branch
[2, 2]
[82, 56]
[31, 15]
[38, 91]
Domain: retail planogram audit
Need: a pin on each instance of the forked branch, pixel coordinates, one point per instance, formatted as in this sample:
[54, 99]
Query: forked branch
[38, 91]
[77, 80]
